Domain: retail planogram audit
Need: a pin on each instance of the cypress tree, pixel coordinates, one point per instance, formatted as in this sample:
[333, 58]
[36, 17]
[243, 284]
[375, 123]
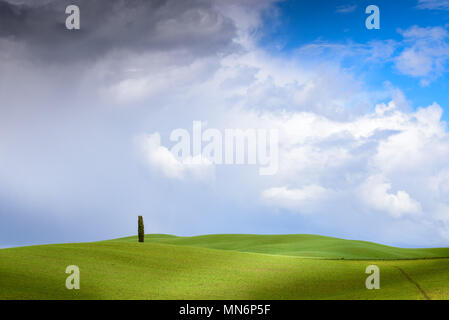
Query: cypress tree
[140, 229]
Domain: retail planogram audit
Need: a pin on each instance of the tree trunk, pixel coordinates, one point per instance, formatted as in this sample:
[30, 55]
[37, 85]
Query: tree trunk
[141, 230]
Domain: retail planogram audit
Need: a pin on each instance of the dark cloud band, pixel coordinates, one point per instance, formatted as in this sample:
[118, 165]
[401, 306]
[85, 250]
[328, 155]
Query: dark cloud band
[106, 25]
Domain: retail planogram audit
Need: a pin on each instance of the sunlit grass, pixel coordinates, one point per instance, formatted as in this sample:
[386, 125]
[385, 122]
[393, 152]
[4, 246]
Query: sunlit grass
[126, 269]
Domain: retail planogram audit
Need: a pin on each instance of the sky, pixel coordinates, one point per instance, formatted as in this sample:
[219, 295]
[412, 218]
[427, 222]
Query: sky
[86, 118]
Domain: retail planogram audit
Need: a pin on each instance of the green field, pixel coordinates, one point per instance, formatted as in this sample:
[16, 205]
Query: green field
[224, 267]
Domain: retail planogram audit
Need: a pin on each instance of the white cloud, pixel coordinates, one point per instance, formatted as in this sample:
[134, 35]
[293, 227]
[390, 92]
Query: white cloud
[327, 156]
[425, 54]
[433, 4]
[136, 78]
[420, 145]
[415, 62]
[442, 220]
[295, 199]
[161, 159]
[346, 8]
[384, 161]
[439, 184]
[375, 192]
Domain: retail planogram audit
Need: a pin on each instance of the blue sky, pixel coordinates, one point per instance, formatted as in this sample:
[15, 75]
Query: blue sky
[341, 22]
[361, 115]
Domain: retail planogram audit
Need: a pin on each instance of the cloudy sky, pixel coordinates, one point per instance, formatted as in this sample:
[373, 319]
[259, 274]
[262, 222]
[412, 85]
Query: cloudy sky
[86, 117]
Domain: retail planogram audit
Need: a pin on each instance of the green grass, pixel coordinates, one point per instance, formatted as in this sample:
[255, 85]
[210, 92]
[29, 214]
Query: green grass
[311, 246]
[186, 269]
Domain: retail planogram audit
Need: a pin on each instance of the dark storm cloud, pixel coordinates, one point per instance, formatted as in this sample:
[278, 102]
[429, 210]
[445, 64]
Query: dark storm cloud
[106, 25]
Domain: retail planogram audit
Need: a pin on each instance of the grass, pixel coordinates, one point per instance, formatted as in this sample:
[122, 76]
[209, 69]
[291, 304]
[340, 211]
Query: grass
[221, 267]
[311, 246]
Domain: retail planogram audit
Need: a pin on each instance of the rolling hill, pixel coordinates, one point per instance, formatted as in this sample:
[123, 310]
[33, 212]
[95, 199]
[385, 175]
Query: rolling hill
[221, 267]
[310, 246]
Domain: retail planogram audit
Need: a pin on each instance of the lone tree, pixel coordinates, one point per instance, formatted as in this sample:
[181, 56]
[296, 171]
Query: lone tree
[140, 229]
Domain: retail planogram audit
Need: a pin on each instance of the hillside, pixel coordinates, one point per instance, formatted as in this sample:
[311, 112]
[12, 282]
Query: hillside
[311, 246]
[125, 269]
